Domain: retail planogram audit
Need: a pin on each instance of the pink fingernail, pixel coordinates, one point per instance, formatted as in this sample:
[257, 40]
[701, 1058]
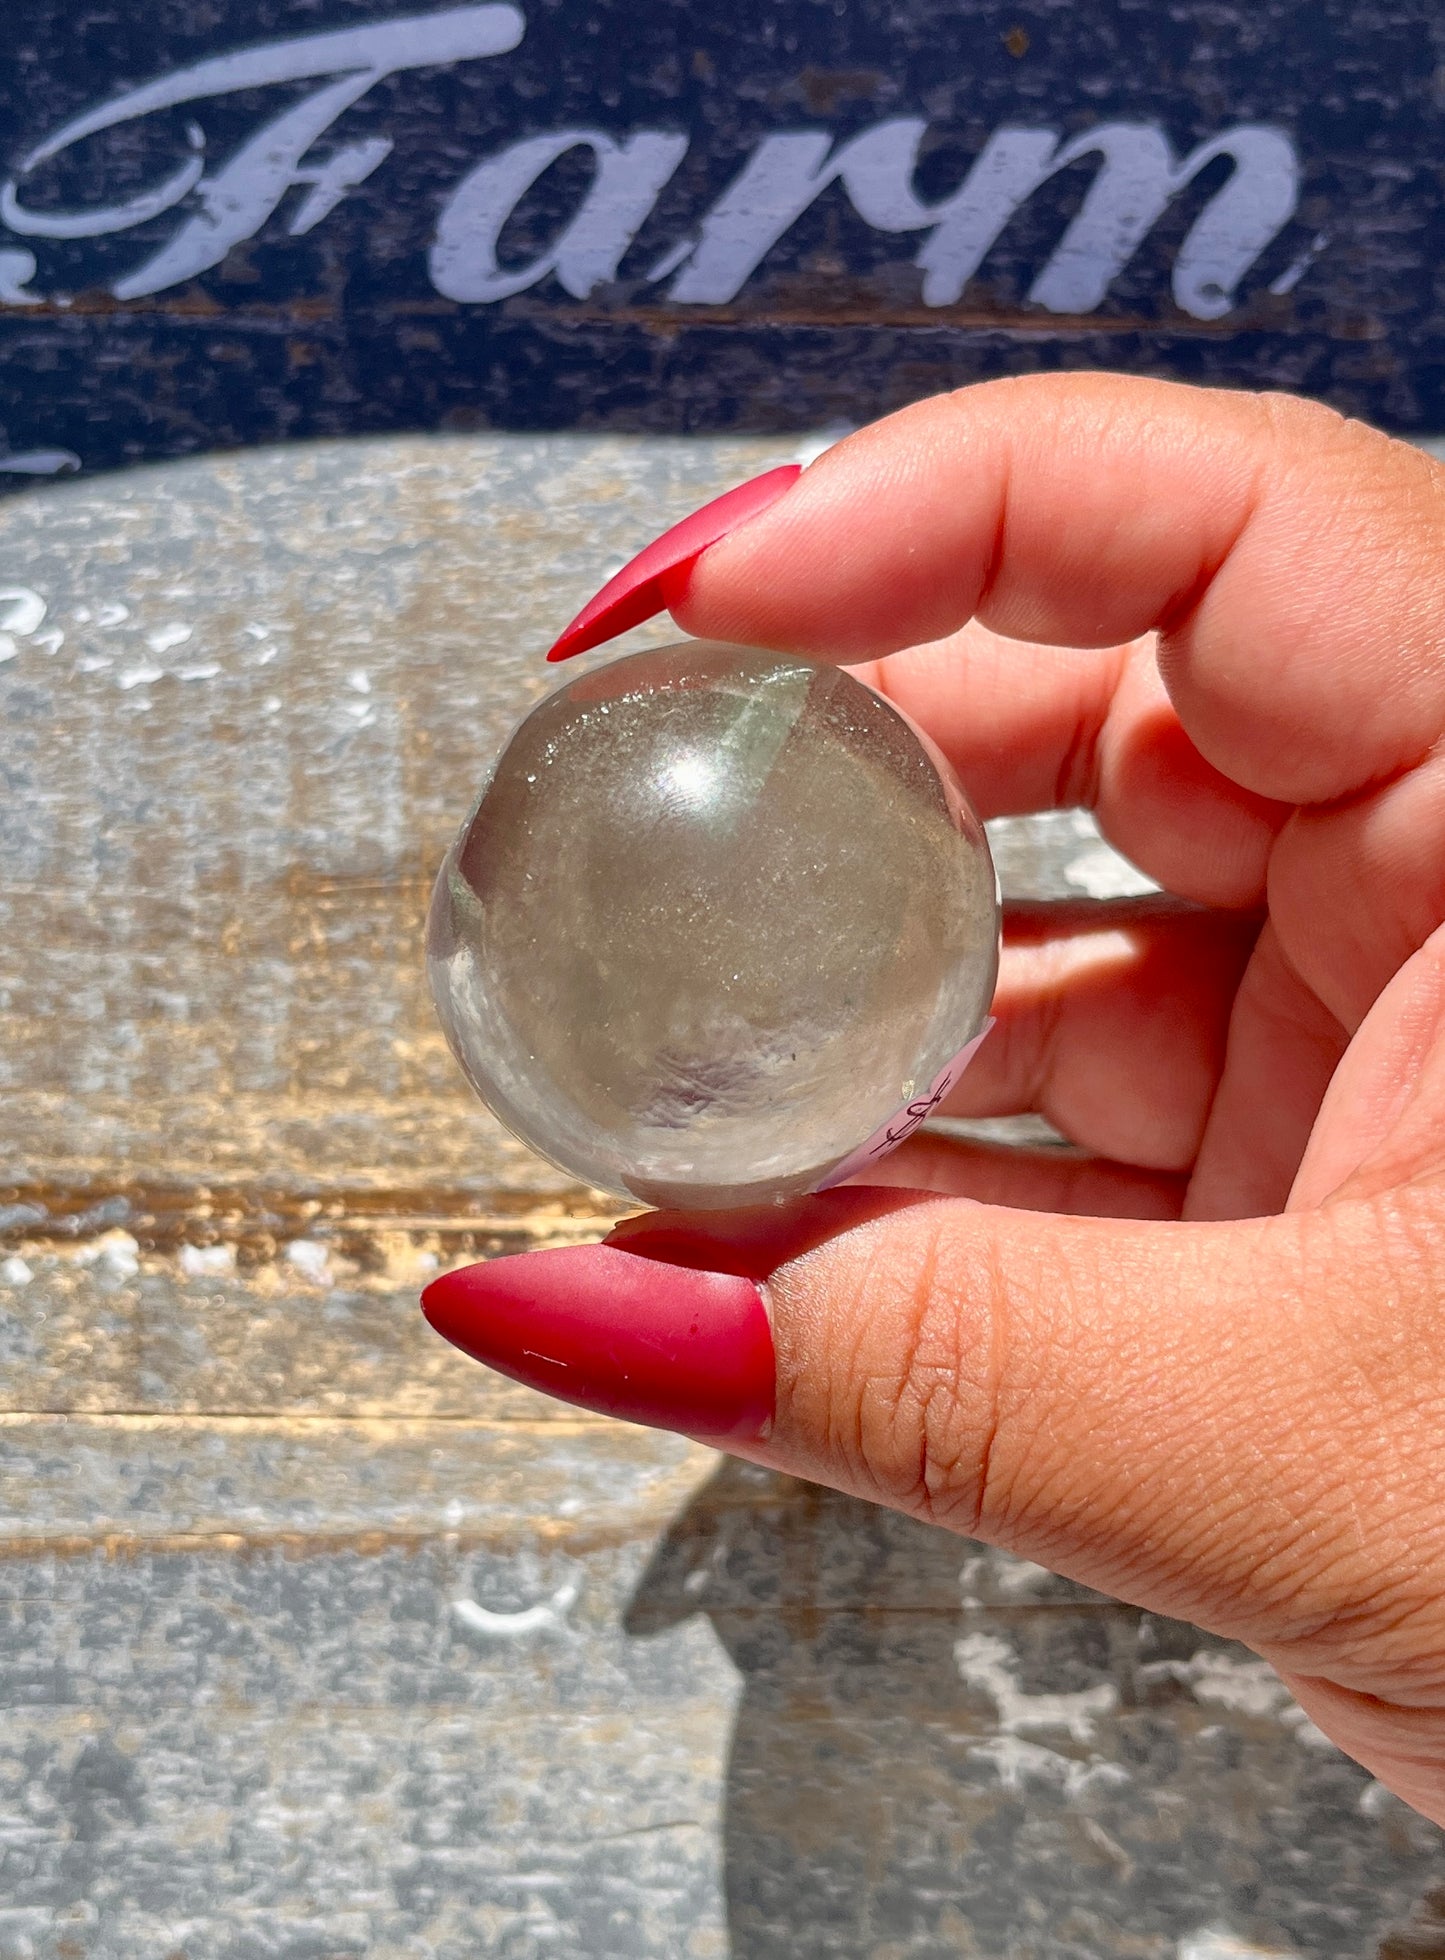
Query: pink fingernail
[657, 576]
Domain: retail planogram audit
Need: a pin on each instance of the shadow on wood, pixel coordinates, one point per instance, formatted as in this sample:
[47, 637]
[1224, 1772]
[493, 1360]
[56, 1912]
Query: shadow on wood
[941, 1751]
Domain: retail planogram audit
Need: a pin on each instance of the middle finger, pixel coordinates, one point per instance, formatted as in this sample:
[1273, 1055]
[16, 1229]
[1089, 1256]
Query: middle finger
[1034, 727]
[1111, 1022]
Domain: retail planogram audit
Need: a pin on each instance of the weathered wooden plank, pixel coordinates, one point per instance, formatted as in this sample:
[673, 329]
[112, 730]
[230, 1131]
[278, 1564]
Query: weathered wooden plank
[395, 251]
[230, 778]
[76, 1481]
[794, 1725]
[325, 1325]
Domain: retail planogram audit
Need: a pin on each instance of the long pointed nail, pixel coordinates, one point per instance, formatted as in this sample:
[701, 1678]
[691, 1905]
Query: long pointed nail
[619, 1334]
[658, 575]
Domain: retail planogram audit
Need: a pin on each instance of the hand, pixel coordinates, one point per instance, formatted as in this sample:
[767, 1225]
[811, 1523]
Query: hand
[1201, 1367]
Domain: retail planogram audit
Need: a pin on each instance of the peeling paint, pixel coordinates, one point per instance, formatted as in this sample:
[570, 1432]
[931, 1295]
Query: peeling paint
[549, 1617]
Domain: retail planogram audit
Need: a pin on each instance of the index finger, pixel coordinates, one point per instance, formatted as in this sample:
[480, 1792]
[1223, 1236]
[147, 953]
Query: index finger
[1290, 561]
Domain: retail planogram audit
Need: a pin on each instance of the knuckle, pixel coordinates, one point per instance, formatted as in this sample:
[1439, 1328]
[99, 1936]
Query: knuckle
[914, 1407]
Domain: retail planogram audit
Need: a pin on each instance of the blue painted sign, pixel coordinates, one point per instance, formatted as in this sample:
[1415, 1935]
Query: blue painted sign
[250, 221]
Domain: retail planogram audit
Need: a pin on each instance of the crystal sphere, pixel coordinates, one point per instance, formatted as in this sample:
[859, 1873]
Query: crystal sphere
[717, 927]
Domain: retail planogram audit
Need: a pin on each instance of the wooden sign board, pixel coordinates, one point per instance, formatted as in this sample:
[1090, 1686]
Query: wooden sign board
[262, 219]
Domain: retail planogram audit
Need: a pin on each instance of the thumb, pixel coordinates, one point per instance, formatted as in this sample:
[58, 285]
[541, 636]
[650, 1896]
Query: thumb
[1166, 1412]
[1193, 1417]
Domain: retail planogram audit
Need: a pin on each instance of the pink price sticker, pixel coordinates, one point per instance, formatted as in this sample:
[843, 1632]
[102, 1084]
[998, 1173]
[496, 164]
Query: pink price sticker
[902, 1124]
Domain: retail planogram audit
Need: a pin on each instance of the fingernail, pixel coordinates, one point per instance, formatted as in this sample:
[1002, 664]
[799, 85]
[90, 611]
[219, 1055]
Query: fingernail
[658, 575]
[618, 1334]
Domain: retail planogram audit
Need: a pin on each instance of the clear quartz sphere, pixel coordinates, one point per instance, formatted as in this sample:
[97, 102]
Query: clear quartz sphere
[718, 918]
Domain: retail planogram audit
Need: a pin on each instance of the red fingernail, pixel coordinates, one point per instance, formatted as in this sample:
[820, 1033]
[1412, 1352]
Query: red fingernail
[658, 575]
[618, 1334]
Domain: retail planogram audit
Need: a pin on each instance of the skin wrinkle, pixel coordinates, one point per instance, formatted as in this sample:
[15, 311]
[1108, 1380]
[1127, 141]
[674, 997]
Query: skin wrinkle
[1352, 1543]
[1012, 1444]
[994, 1295]
[874, 1280]
[1080, 771]
[1280, 1009]
[1394, 1638]
[1178, 622]
[922, 1384]
[906, 1388]
[994, 562]
[1199, 1535]
[1060, 1181]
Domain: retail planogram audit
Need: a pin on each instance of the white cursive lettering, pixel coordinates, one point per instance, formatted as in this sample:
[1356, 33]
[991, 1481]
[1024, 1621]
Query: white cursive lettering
[238, 199]
[780, 180]
[1136, 176]
[1136, 179]
[626, 180]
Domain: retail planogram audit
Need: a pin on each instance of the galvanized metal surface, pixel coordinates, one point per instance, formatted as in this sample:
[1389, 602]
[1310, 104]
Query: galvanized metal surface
[319, 1642]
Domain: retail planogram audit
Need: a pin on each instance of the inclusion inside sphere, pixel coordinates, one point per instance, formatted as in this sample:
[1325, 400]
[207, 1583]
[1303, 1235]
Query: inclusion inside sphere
[717, 917]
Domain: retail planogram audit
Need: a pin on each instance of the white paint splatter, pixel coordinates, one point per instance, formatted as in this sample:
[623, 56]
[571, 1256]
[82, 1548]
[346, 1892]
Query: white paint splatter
[22, 611]
[1016, 1577]
[166, 637]
[93, 663]
[207, 1261]
[1244, 1687]
[15, 1272]
[271, 705]
[1018, 1762]
[119, 1255]
[548, 1617]
[255, 630]
[988, 1663]
[1215, 1943]
[360, 681]
[311, 1260]
[204, 670]
[115, 614]
[8, 648]
[141, 676]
